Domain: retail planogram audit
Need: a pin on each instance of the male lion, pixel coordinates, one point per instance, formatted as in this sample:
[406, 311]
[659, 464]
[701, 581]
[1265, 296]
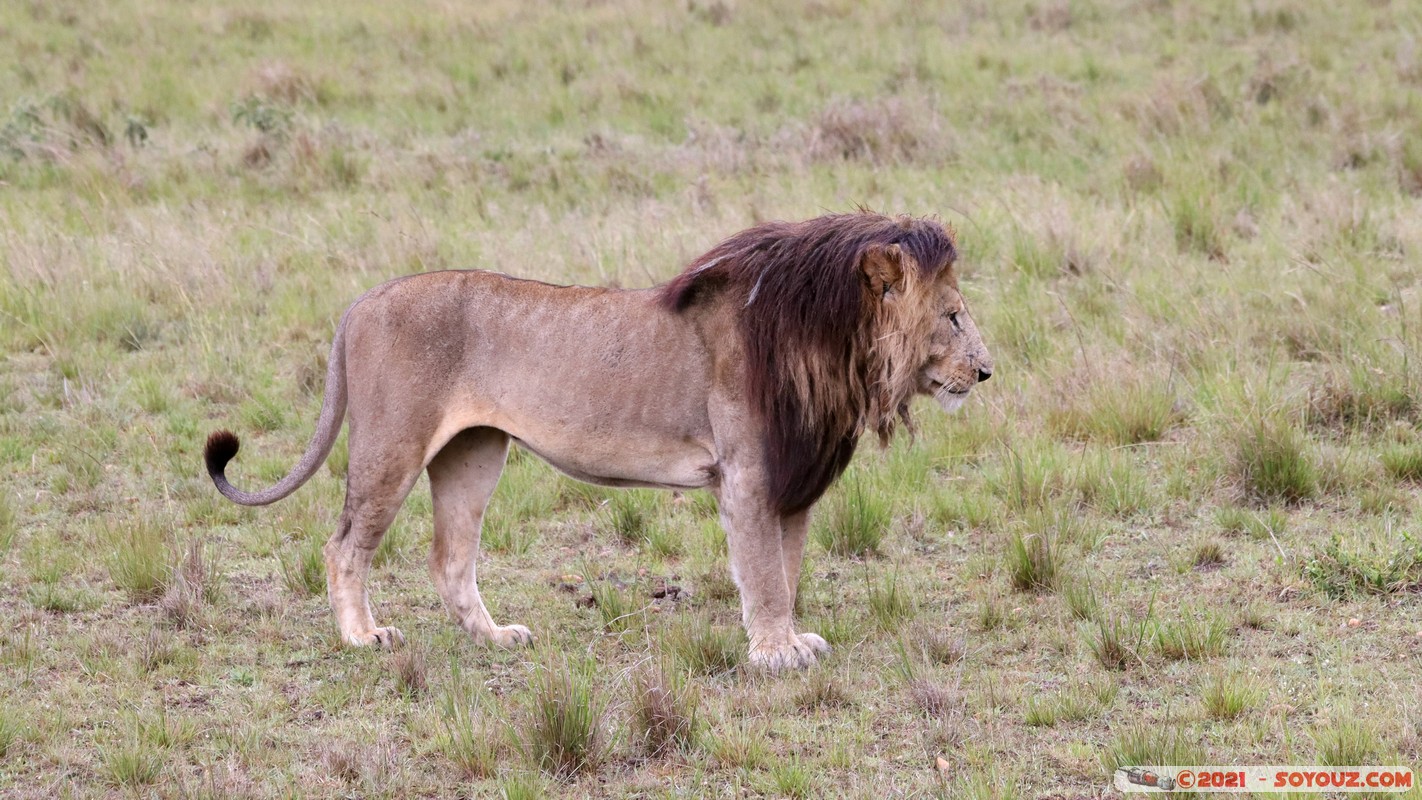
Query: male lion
[752, 374]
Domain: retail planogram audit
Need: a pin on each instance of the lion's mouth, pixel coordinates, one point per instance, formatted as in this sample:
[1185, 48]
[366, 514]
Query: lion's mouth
[939, 389]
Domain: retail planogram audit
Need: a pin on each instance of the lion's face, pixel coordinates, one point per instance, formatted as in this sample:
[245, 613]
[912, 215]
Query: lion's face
[957, 358]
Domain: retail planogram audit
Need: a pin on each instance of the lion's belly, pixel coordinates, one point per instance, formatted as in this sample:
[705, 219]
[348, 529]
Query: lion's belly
[673, 466]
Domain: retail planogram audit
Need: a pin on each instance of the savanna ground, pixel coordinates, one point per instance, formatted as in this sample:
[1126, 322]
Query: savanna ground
[1183, 523]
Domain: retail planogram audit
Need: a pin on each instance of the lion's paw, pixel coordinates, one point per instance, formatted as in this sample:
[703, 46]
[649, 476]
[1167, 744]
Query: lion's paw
[511, 636]
[814, 642]
[795, 654]
[384, 638]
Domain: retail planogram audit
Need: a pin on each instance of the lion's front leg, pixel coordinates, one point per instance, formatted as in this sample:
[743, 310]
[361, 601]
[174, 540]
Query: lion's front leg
[794, 531]
[758, 565]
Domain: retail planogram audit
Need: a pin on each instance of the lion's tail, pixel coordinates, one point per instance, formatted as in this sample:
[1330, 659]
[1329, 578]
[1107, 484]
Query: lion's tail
[223, 445]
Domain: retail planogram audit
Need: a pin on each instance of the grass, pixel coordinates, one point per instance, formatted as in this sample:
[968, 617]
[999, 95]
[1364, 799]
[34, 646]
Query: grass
[1145, 745]
[665, 711]
[698, 646]
[1117, 639]
[619, 612]
[563, 733]
[1226, 696]
[1346, 742]
[889, 604]
[1194, 264]
[138, 561]
[464, 735]
[854, 520]
[1032, 563]
[303, 567]
[1403, 462]
[1189, 637]
[1272, 465]
[10, 732]
[1374, 561]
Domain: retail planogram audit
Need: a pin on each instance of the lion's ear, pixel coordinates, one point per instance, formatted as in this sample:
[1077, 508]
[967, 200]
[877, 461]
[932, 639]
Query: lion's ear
[883, 268]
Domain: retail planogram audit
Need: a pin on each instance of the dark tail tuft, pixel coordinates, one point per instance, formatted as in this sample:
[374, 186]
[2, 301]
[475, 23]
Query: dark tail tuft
[221, 447]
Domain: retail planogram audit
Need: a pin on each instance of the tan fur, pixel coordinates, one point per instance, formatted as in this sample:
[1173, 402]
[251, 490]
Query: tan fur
[441, 371]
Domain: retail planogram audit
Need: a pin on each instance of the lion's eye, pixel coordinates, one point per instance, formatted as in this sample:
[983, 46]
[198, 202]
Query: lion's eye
[953, 318]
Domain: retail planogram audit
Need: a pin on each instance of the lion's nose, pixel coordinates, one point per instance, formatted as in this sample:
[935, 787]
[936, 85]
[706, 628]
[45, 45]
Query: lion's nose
[983, 374]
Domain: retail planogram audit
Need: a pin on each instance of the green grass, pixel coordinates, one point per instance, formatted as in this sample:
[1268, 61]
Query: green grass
[698, 646]
[1372, 561]
[1227, 696]
[620, 613]
[1137, 744]
[303, 566]
[1271, 463]
[1189, 637]
[464, 733]
[854, 520]
[10, 732]
[563, 733]
[139, 561]
[1032, 562]
[1403, 462]
[1189, 235]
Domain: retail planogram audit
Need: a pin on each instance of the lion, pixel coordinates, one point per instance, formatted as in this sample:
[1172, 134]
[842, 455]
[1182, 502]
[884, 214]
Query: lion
[752, 374]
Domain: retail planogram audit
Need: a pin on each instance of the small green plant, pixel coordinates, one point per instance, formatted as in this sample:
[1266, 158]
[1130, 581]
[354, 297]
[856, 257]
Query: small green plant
[1117, 640]
[139, 560]
[698, 647]
[1116, 414]
[10, 731]
[1376, 562]
[563, 734]
[1261, 525]
[1403, 462]
[463, 736]
[1032, 562]
[132, 763]
[791, 778]
[506, 535]
[855, 522]
[991, 613]
[1271, 463]
[663, 541]
[303, 567]
[821, 690]
[665, 711]
[619, 613]
[739, 745]
[521, 786]
[940, 646]
[7, 523]
[629, 516]
[888, 604]
[1191, 637]
[268, 118]
[1144, 743]
[1207, 555]
[1227, 696]
[1345, 743]
[1081, 600]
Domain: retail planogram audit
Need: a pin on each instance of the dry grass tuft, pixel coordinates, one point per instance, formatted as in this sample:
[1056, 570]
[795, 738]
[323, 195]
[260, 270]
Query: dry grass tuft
[879, 132]
[666, 712]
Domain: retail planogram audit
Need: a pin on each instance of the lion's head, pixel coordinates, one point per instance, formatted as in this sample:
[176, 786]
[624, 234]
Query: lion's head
[843, 319]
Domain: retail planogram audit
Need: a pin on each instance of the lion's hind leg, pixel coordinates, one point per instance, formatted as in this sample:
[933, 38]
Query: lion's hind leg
[378, 480]
[462, 479]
